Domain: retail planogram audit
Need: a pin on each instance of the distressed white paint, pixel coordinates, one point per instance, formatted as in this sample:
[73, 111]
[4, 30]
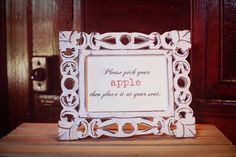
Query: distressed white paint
[75, 46]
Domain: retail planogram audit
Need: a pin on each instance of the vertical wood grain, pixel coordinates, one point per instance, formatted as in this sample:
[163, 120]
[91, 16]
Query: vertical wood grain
[4, 112]
[48, 18]
[17, 61]
[62, 20]
[213, 47]
[43, 32]
[77, 14]
[63, 15]
[198, 55]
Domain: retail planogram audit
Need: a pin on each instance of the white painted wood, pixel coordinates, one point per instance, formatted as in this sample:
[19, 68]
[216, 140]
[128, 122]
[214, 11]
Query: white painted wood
[76, 123]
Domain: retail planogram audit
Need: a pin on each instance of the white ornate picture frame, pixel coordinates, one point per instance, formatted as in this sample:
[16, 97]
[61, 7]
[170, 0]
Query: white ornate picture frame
[125, 84]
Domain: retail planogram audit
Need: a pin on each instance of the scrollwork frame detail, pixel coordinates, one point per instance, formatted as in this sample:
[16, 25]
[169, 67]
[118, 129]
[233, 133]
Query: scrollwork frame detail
[72, 126]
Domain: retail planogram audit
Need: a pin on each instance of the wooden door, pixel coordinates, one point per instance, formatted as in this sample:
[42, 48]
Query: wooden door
[213, 64]
[29, 28]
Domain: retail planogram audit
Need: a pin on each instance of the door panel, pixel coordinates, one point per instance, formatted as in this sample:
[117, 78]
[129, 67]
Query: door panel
[221, 52]
[213, 64]
[135, 16]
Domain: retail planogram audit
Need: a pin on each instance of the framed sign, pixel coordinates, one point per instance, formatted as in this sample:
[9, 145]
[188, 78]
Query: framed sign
[125, 84]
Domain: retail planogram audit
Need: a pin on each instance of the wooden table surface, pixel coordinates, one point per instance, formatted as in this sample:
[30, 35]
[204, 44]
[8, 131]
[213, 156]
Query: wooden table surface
[40, 139]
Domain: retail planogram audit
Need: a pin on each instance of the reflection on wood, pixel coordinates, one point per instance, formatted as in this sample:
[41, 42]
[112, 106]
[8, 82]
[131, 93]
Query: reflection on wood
[17, 60]
[43, 31]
